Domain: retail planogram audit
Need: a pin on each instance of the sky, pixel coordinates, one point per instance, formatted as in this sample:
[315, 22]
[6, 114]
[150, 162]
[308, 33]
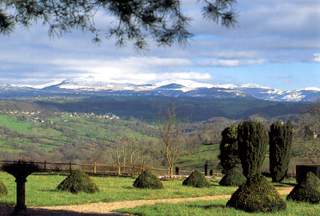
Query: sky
[275, 44]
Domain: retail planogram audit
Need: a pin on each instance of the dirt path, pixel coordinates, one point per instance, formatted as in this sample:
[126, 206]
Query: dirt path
[102, 208]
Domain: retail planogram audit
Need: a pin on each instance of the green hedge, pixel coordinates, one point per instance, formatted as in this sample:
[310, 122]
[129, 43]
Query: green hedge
[257, 195]
[196, 179]
[77, 182]
[147, 180]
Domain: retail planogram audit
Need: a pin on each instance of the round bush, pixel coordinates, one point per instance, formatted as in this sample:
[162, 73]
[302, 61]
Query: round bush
[196, 179]
[257, 195]
[307, 191]
[147, 180]
[233, 177]
[77, 182]
[3, 189]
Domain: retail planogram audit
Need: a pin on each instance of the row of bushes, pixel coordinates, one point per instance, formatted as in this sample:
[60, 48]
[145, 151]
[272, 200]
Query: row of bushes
[79, 181]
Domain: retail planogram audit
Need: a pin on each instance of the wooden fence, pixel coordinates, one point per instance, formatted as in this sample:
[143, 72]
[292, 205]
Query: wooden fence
[112, 170]
[103, 169]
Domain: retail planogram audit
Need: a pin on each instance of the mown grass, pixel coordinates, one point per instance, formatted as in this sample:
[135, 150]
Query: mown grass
[217, 208]
[41, 191]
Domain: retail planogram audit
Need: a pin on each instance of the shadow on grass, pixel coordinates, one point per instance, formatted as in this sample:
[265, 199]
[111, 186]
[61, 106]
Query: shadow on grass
[206, 207]
[7, 210]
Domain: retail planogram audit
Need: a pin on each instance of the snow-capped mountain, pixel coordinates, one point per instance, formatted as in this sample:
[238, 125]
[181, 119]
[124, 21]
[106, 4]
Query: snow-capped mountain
[179, 88]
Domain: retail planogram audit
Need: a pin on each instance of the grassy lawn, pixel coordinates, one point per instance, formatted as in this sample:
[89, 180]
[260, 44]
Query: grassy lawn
[217, 208]
[41, 191]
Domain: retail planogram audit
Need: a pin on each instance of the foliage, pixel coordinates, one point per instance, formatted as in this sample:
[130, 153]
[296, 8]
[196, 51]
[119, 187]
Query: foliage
[3, 189]
[280, 142]
[196, 179]
[229, 157]
[163, 20]
[257, 195]
[252, 142]
[77, 182]
[147, 180]
[308, 190]
[233, 177]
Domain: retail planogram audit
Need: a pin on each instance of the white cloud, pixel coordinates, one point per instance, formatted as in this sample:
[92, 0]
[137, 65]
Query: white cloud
[230, 62]
[316, 57]
[138, 70]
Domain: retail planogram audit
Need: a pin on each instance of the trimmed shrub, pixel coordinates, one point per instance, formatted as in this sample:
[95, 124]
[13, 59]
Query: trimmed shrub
[252, 142]
[257, 195]
[147, 180]
[77, 182]
[196, 179]
[280, 141]
[3, 189]
[308, 190]
[229, 157]
[233, 177]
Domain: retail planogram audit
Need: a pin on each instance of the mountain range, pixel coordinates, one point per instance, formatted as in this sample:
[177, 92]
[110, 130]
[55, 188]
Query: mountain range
[180, 88]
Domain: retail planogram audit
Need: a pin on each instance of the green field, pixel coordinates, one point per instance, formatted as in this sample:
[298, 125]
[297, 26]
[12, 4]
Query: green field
[41, 191]
[197, 159]
[46, 136]
[218, 208]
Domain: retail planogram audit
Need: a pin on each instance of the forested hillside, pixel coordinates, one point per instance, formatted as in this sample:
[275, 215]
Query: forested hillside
[30, 130]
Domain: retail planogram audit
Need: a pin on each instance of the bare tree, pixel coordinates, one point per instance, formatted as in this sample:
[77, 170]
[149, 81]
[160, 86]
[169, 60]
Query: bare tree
[125, 154]
[171, 139]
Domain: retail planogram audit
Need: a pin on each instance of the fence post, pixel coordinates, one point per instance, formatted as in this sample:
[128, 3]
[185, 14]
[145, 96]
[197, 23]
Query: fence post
[70, 167]
[95, 168]
[206, 168]
[45, 166]
[211, 172]
[177, 170]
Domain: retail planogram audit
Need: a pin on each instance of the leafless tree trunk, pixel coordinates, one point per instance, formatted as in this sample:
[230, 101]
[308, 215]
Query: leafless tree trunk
[171, 139]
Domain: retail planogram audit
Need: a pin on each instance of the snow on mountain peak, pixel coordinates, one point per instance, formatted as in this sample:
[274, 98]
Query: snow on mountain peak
[294, 96]
[317, 89]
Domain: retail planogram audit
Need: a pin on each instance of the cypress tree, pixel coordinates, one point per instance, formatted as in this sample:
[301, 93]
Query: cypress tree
[257, 194]
[280, 142]
[252, 142]
[229, 158]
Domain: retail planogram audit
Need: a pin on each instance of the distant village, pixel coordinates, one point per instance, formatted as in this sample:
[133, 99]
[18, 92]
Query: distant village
[39, 117]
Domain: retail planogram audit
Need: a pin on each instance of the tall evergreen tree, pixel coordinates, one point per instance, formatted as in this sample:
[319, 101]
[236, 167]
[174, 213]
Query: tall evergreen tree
[257, 194]
[280, 142]
[252, 142]
[229, 157]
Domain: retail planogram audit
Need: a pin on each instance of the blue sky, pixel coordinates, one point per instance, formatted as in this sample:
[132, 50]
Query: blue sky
[275, 44]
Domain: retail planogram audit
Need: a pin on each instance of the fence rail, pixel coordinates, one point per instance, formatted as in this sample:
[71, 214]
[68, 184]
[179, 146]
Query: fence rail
[103, 169]
[112, 170]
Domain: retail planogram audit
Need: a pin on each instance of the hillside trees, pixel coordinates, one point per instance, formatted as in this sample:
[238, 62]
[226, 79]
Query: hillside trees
[280, 142]
[163, 21]
[171, 139]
